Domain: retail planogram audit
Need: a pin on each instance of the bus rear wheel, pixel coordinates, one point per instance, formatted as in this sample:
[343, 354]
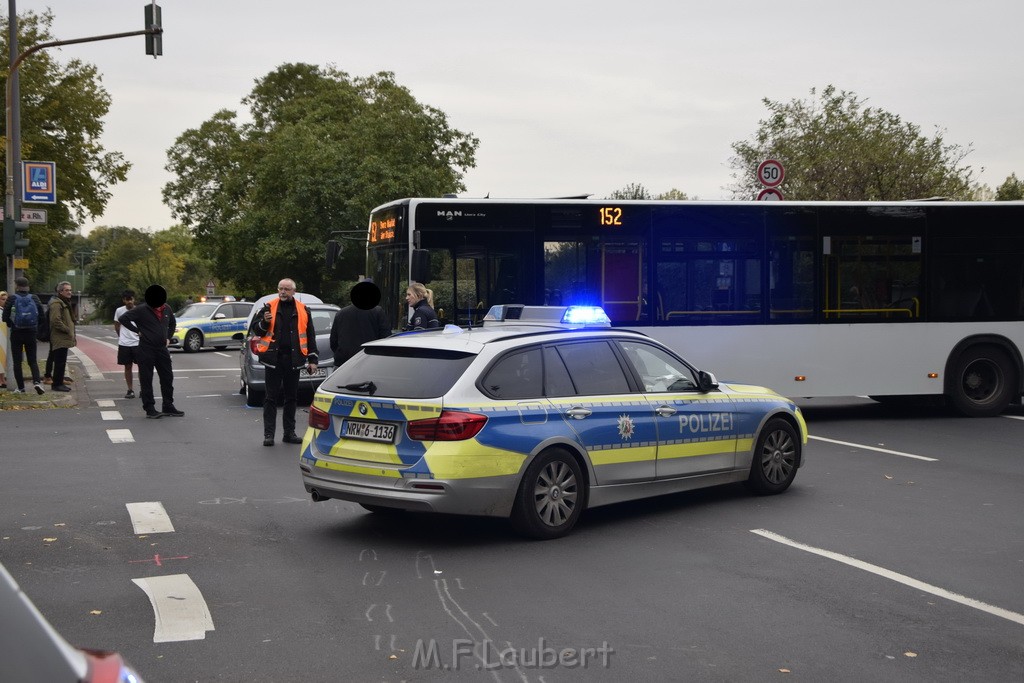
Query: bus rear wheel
[984, 381]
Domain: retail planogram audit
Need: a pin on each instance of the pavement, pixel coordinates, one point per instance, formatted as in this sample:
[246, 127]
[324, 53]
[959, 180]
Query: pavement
[80, 366]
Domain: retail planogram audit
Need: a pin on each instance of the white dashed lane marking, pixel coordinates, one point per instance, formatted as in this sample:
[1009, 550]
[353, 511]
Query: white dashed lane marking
[149, 518]
[110, 415]
[120, 436]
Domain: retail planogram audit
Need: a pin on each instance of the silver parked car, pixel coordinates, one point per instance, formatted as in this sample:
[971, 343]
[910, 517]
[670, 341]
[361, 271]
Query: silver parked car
[254, 381]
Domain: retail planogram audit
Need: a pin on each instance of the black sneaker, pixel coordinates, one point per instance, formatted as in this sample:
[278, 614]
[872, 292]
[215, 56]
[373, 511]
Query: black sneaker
[55, 387]
[291, 438]
[268, 441]
[154, 414]
[130, 394]
[39, 388]
[171, 410]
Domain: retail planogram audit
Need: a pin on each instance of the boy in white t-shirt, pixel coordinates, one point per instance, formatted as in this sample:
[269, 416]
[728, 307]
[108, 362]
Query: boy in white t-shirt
[127, 341]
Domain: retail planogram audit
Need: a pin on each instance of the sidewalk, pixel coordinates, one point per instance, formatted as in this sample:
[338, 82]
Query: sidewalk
[30, 400]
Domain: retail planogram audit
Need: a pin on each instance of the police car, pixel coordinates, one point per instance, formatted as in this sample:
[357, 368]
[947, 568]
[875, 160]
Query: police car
[210, 323]
[536, 416]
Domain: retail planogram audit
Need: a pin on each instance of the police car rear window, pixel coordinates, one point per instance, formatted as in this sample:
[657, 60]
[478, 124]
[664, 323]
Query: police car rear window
[400, 372]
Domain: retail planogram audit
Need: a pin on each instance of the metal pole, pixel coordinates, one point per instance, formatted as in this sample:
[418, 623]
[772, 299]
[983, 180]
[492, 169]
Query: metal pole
[13, 129]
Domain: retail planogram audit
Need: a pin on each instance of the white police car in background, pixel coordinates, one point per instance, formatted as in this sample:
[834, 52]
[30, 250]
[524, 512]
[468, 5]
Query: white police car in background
[537, 416]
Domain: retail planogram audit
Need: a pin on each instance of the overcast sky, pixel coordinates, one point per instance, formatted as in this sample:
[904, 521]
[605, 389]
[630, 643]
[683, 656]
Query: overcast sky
[566, 97]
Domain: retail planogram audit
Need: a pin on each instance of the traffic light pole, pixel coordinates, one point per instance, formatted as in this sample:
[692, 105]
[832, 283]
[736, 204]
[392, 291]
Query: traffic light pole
[13, 108]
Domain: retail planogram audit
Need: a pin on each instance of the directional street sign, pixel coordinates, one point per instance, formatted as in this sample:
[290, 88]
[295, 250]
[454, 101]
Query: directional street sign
[39, 182]
[30, 215]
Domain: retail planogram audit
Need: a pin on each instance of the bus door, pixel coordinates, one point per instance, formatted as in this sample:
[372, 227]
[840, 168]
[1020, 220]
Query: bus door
[598, 272]
[468, 279]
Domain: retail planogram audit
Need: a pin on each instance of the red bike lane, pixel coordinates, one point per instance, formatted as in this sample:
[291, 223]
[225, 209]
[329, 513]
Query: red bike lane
[102, 354]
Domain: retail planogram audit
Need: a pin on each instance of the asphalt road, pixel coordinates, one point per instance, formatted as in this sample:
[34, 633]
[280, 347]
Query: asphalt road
[897, 555]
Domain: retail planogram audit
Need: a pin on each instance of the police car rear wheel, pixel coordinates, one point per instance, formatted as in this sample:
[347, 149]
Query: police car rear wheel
[193, 341]
[551, 496]
[775, 458]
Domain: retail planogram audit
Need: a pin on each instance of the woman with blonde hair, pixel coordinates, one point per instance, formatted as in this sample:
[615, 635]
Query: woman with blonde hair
[421, 301]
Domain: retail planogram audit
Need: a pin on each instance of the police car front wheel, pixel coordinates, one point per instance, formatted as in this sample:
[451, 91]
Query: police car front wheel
[551, 496]
[776, 457]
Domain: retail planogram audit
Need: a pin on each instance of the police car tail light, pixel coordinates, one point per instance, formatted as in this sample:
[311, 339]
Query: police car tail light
[318, 419]
[450, 426]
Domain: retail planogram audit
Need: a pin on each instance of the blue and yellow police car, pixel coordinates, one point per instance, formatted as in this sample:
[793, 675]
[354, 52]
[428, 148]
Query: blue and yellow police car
[536, 416]
[210, 323]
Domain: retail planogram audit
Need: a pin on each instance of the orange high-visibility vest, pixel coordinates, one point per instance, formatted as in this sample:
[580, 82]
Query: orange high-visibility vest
[262, 344]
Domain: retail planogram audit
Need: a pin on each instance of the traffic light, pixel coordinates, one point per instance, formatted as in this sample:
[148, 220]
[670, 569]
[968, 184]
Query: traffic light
[14, 236]
[154, 21]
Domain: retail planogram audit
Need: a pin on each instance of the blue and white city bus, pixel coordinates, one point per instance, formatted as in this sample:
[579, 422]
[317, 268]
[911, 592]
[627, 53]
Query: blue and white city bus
[809, 298]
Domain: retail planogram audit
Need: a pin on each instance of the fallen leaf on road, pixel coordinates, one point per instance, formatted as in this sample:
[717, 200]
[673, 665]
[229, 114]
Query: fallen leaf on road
[909, 654]
[96, 611]
[49, 540]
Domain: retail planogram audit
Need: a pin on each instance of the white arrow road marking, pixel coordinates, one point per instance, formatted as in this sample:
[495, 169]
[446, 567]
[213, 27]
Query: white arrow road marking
[149, 518]
[180, 610]
[120, 436]
[893, 576]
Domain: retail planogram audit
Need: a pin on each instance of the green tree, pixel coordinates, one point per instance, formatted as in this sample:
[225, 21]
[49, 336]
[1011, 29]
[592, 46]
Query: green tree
[631, 191]
[323, 148]
[62, 108]
[833, 147]
[1011, 189]
[638, 191]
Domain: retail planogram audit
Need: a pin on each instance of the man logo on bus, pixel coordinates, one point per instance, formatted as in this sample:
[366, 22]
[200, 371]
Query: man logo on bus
[449, 214]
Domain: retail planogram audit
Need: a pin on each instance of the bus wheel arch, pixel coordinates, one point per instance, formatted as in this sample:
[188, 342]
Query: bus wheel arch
[983, 375]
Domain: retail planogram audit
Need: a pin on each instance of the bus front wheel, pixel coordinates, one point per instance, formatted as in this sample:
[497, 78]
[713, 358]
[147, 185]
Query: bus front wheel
[984, 381]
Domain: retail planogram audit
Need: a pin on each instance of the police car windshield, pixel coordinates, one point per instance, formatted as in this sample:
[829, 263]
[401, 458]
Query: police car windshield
[400, 372]
[197, 311]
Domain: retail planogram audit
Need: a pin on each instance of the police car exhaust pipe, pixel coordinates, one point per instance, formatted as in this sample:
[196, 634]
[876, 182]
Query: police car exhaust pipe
[317, 498]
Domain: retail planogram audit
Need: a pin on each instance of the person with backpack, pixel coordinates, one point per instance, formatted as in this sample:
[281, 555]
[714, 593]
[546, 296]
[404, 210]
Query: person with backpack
[23, 313]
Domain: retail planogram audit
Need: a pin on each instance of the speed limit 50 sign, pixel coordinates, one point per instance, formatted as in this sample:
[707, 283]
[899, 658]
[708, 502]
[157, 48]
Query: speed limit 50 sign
[770, 173]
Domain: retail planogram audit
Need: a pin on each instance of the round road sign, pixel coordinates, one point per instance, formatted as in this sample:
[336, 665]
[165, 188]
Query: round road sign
[769, 194]
[770, 173]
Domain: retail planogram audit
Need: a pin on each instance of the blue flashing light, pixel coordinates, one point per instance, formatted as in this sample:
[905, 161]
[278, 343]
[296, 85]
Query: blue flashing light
[586, 315]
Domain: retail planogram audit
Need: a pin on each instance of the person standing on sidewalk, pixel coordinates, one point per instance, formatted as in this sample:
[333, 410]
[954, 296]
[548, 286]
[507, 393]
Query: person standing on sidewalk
[154, 322]
[5, 343]
[23, 306]
[127, 341]
[286, 342]
[62, 334]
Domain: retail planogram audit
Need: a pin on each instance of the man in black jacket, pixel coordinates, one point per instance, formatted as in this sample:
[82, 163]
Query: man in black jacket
[286, 342]
[154, 322]
[361, 321]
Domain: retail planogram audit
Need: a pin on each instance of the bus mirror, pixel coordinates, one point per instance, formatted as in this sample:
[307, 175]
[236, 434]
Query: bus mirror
[334, 250]
[421, 266]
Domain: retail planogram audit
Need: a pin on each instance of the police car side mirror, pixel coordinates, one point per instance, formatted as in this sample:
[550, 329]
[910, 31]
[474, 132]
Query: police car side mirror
[219, 316]
[706, 381]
